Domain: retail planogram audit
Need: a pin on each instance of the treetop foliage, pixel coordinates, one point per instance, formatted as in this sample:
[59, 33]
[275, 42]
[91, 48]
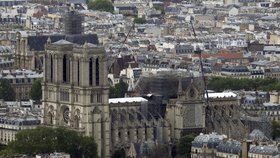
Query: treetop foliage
[101, 5]
[275, 130]
[119, 90]
[224, 83]
[6, 91]
[44, 140]
[140, 20]
[36, 90]
[184, 145]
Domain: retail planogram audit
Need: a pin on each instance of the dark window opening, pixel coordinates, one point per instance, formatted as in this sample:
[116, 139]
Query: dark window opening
[51, 69]
[97, 72]
[78, 72]
[64, 68]
[90, 71]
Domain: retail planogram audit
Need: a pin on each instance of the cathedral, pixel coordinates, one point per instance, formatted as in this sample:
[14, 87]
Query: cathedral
[162, 106]
[76, 95]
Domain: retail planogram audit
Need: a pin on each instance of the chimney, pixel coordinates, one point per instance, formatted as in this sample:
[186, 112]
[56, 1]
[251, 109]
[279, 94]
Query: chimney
[245, 147]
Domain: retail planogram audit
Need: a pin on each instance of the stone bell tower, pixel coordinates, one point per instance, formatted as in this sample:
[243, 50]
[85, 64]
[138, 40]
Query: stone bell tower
[75, 91]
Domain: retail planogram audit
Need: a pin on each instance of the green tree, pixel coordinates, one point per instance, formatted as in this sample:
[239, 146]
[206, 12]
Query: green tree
[36, 90]
[184, 145]
[223, 83]
[6, 91]
[88, 145]
[140, 20]
[47, 140]
[101, 5]
[160, 8]
[119, 154]
[161, 151]
[119, 90]
[275, 130]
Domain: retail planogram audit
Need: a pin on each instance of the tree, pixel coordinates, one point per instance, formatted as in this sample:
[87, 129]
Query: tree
[6, 91]
[36, 90]
[119, 90]
[88, 145]
[140, 20]
[160, 8]
[184, 145]
[101, 5]
[48, 140]
[275, 130]
[161, 151]
[120, 153]
[222, 83]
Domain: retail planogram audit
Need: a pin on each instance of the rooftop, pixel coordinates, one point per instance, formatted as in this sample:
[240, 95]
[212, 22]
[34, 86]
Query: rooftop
[127, 100]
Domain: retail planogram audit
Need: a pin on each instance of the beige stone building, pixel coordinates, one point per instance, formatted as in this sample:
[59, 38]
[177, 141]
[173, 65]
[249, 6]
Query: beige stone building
[21, 81]
[75, 90]
[11, 124]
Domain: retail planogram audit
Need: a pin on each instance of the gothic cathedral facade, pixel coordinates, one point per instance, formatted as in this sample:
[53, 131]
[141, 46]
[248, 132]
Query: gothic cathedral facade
[75, 91]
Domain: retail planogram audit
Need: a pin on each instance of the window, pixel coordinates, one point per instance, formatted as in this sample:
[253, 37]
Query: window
[98, 98]
[51, 69]
[64, 68]
[78, 72]
[90, 71]
[64, 96]
[92, 97]
[97, 72]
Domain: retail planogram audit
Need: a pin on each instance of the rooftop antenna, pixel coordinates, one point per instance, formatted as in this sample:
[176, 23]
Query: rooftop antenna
[199, 52]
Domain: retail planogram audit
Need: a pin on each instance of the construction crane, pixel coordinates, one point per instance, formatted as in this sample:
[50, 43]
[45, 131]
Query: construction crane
[198, 51]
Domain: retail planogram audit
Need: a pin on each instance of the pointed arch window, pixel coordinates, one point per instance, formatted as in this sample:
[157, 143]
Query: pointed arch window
[78, 77]
[90, 71]
[97, 72]
[64, 68]
[51, 68]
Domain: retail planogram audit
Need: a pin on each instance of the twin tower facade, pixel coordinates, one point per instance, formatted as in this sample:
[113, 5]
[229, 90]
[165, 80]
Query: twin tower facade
[75, 90]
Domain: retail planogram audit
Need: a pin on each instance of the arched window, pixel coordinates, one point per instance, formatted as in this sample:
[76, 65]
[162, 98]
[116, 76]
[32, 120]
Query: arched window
[78, 72]
[97, 72]
[90, 72]
[51, 68]
[76, 122]
[64, 68]
[50, 121]
[35, 63]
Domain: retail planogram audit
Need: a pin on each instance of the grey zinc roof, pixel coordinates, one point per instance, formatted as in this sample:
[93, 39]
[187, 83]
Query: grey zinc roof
[230, 146]
[211, 140]
[264, 150]
[62, 42]
[28, 120]
[257, 135]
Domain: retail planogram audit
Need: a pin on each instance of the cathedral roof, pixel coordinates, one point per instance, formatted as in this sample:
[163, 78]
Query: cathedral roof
[62, 42]
[37, 43]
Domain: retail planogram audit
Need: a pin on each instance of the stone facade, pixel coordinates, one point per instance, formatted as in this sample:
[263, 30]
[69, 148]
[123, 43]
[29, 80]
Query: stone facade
[75, 91]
